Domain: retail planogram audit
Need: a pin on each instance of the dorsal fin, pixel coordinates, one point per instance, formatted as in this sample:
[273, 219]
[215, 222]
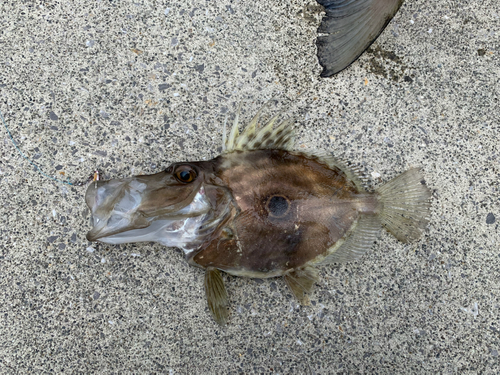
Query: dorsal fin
[352, 172]
[252, 138]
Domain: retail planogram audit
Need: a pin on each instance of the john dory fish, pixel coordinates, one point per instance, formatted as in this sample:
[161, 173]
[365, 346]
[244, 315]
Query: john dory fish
[258, 210]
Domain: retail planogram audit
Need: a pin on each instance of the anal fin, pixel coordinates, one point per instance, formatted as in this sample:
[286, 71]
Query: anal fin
[216, 295]
[358, 242]
[300, 282]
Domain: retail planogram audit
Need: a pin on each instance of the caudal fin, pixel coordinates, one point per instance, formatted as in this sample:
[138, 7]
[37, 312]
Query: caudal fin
[348, 28]
[405, 205]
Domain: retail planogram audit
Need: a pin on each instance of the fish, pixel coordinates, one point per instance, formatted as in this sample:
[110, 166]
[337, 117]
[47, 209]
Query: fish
[260, 209]
[348, 28]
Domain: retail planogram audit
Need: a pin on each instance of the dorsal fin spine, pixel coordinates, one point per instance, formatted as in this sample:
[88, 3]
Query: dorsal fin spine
[224, 135]
[253, 138]
[234, 130]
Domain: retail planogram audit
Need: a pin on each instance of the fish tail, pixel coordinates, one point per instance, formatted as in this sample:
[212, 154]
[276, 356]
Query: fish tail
[405, 203]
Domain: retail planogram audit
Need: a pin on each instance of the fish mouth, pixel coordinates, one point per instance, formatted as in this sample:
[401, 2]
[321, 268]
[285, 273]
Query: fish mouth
[142, 208]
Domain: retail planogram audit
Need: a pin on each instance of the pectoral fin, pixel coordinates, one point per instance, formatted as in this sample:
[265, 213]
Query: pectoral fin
[301, 282]
[216, 295]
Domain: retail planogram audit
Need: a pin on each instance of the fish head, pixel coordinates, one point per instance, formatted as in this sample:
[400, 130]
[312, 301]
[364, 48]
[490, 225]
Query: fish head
[167, 207]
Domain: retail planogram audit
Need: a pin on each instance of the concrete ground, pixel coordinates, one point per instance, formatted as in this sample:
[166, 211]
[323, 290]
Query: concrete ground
[131, 87]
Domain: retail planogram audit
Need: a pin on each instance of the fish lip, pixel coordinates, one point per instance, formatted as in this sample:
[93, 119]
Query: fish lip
[93, 237]
[100, 222]
[101, 230]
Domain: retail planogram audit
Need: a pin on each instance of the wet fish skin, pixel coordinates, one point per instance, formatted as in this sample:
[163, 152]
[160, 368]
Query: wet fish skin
[274, 241]
[259, 209]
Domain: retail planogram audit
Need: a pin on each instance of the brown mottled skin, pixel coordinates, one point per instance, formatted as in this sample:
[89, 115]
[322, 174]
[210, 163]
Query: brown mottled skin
[323, 205]
[258, 210]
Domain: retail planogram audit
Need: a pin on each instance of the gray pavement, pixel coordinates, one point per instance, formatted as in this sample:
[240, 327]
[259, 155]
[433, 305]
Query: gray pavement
[131, 87]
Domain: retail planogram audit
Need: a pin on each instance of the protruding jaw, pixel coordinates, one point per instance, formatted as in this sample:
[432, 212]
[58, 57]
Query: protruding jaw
[166, 207]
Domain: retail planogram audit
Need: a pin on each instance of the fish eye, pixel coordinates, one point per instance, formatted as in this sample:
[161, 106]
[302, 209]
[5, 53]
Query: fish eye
[278, 205]
[185, 174]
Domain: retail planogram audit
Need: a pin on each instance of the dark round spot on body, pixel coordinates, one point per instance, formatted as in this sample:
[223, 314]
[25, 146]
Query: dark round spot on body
[278, 205]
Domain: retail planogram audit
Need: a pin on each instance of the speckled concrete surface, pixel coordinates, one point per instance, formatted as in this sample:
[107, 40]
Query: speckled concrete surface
[130, 87]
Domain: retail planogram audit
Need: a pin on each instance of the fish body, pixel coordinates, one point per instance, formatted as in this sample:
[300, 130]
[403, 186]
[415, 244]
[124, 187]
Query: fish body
[290, 208]
[259, 209]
